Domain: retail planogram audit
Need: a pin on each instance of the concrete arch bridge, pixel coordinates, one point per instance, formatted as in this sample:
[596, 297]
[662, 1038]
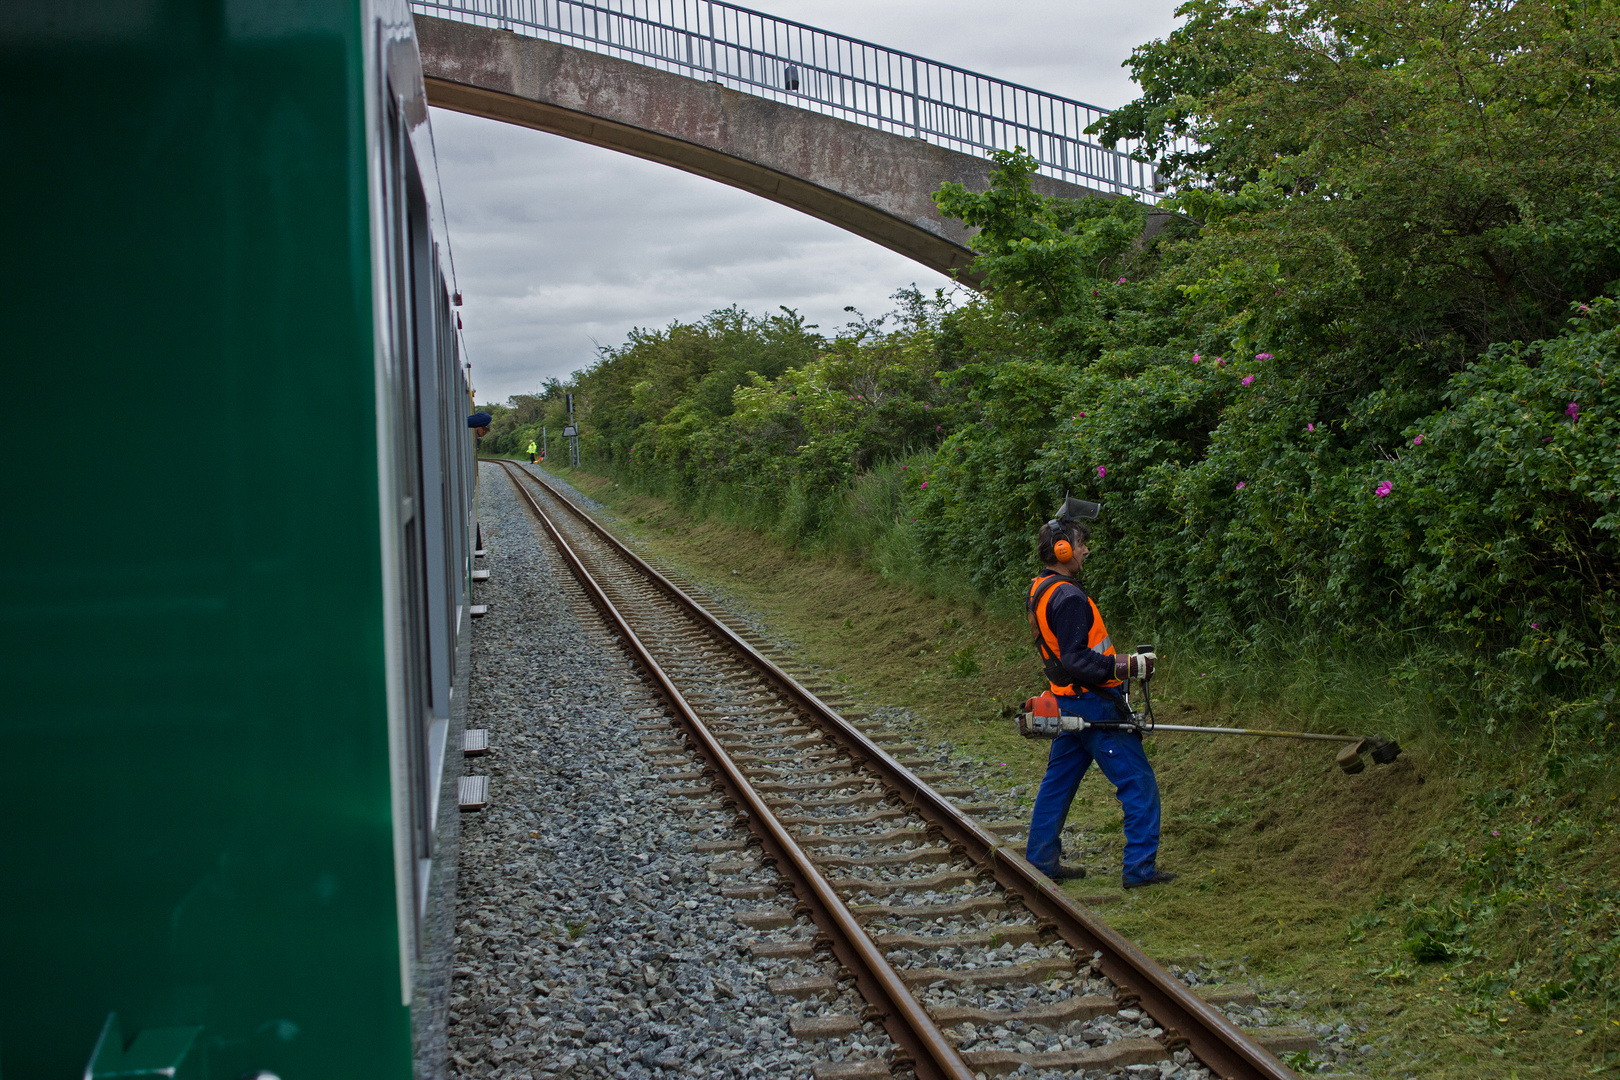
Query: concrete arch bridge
[840, 129]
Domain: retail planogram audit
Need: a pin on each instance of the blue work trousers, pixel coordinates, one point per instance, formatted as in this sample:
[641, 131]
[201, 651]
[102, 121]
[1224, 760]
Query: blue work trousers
[1119, 755]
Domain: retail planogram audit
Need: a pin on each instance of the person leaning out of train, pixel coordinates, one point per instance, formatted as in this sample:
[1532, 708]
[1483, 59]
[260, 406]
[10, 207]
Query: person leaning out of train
[1085, 676]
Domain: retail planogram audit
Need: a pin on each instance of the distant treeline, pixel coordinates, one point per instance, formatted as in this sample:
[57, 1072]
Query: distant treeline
[1351, 391]
[526, 417]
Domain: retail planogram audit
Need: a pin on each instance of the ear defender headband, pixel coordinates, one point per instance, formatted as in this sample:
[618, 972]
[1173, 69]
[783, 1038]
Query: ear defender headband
[1071, 510]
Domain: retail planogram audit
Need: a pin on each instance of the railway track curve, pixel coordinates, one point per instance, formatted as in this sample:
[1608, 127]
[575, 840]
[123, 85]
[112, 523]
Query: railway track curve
[943, 930]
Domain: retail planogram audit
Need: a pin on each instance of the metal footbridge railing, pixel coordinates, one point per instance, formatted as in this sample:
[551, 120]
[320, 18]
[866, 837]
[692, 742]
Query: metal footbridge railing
[830, 74]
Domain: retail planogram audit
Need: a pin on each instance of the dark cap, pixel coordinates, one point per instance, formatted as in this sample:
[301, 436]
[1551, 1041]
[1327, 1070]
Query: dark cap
[479, 419]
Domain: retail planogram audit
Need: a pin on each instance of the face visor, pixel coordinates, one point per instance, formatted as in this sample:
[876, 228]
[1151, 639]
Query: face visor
[1075, 509]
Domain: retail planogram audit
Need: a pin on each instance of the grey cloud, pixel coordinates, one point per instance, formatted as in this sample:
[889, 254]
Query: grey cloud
[1062, 47]
[557, 243]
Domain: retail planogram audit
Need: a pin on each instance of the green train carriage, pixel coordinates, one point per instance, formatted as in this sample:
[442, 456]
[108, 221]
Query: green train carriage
[237, 548]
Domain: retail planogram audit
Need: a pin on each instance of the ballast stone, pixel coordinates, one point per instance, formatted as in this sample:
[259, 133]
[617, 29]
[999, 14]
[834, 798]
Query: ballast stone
[576, 872]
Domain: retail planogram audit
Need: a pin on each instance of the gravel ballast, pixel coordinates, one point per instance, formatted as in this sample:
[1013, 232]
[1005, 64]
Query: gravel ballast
[592, 939]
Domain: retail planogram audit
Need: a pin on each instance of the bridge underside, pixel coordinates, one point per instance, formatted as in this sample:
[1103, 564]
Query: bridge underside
[873, 183]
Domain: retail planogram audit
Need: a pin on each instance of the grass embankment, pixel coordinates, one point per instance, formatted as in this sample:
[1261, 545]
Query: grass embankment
[1465, 855]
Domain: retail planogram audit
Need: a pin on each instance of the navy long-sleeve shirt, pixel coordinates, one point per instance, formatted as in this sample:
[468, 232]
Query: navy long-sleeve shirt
[1068, 613]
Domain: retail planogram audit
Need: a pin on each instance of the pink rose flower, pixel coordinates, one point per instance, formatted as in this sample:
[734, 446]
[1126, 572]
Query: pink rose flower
[1384, 488]
[1417, 440]
[1197, 359]
[1262, 356]
[1242, 484]
[1310, 427]
[1573, 411]
[1102, 471]
[1248, 379]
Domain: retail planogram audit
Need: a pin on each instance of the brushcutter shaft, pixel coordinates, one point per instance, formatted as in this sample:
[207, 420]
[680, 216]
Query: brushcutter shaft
[1251, 731]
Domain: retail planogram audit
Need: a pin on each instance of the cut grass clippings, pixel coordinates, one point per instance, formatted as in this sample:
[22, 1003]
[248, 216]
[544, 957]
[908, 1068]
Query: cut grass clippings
[1293, 872]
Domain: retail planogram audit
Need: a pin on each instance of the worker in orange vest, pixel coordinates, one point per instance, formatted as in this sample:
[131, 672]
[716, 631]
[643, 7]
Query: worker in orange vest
[1085, 676]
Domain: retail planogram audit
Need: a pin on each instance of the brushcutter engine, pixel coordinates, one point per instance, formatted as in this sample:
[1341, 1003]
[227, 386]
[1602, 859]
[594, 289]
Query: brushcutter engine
[1040, 719]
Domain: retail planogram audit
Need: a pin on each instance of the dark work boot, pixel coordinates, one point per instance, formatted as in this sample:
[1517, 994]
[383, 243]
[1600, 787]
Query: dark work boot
[1068, 873]
[1160, 877]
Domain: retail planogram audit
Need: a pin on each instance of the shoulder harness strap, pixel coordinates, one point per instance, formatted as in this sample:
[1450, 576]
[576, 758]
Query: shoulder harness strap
[1047, 584]
[1042, 587]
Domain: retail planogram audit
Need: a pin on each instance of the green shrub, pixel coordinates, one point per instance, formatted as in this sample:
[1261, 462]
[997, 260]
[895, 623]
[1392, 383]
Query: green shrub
[1326, 399]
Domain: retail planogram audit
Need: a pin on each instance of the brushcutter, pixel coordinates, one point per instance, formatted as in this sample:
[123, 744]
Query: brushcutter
[1041, 719]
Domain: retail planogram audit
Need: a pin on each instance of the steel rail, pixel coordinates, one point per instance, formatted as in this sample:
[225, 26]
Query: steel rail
[1185, 1017]
[902, 1015]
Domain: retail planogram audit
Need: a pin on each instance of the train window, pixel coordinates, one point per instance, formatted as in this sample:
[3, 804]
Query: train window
[420, 678]
[428, 468]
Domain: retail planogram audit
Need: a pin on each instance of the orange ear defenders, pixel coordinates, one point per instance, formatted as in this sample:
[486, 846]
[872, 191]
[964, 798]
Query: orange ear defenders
[1062, 550]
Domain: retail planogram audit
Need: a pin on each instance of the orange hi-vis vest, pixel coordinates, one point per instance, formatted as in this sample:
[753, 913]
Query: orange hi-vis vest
[1040, 594]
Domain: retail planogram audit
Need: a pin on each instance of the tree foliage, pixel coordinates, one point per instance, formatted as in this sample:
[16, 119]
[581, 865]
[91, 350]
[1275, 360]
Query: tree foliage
[769, 410]
[1352, 380]
[1438, 175]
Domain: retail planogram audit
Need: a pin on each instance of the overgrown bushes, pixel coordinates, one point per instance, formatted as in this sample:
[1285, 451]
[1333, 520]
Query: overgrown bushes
[1348, 398]
[1351, 390]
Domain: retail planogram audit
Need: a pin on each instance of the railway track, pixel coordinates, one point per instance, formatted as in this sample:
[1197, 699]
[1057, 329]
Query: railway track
[972, 961]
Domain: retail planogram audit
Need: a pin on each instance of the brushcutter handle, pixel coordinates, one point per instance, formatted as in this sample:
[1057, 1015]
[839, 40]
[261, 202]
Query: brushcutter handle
[1136, 665]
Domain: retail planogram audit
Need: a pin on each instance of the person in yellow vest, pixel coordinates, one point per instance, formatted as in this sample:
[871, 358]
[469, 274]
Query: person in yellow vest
[532, 449]
[1085, 676]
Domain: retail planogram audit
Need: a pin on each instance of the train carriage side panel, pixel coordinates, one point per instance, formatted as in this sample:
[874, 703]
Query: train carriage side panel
[203, 633]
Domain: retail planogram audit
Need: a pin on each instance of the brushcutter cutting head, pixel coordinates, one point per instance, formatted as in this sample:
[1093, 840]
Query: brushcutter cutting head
[1382, 750]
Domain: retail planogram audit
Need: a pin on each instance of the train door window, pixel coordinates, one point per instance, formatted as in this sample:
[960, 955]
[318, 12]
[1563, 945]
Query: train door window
[453, 443]
[433, 435]
[432, 450]
[422, 739]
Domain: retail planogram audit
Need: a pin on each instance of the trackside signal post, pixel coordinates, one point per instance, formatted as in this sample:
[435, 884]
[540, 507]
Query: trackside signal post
[571, 433]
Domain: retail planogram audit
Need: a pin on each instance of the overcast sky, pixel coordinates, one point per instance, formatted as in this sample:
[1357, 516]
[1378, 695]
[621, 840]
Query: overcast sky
[557, 243]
